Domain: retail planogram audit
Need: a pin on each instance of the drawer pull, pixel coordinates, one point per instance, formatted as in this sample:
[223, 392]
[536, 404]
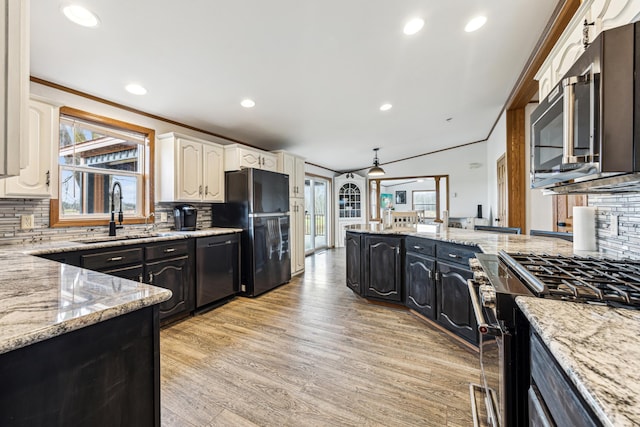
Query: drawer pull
[116, 258]
[454, 256]
[169, 250]
[417, 247]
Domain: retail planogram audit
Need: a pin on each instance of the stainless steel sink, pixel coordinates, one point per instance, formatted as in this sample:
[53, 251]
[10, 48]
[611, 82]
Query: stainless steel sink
[103, 239]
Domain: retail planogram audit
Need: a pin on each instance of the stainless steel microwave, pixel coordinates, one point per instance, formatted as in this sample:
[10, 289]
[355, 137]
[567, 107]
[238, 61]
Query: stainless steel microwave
[585, 129]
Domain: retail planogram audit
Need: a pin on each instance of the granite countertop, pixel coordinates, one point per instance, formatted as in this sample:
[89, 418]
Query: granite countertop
[104, 241]
[41, 299]
[489, 243]
[598, 348]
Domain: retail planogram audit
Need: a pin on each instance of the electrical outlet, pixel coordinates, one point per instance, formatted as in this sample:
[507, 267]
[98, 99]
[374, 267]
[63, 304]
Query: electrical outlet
[26, 222]
[163, 217]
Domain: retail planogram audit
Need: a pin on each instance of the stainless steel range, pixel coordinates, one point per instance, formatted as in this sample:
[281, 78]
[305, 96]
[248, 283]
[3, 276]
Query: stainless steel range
[504, 342]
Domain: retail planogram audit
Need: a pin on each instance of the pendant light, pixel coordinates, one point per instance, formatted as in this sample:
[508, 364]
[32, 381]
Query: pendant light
[376, 170]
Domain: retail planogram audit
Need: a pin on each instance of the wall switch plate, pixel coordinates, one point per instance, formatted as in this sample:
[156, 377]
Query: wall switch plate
[614, 225]
[26, 222]
[163, 217]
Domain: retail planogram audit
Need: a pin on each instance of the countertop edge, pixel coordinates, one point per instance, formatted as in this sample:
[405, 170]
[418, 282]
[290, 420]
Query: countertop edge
[52, 331]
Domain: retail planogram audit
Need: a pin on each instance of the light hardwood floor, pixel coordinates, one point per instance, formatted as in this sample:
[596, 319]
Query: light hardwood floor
[312, 353]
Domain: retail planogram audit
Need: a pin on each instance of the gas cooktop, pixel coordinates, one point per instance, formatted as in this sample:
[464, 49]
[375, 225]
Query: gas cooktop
[612, 282]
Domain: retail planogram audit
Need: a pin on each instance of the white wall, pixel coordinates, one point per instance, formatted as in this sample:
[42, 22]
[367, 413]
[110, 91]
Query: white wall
[496, 147]
[466, 167]
[539, 207]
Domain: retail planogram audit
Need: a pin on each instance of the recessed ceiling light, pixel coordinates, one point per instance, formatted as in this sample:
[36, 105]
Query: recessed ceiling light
[475, 23]
[248, 103]
[80, 15]
[413, 26]
[385, 107]
[135, 89]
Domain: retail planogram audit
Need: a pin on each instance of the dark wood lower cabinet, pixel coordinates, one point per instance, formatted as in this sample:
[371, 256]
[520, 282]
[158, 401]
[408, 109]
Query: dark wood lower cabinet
[420, 283]
[552, 397]
[353, 245]
[107, 374]
[383, 268]
[430, 277]
[454, 304]
[173, 274]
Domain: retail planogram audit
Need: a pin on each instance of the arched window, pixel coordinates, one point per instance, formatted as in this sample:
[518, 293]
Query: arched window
[349, 201]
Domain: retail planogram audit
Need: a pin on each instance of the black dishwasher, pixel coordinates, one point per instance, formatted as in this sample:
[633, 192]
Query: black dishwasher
[217, 268]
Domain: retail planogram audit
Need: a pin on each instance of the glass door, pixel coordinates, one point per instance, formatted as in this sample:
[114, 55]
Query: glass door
[316, 221]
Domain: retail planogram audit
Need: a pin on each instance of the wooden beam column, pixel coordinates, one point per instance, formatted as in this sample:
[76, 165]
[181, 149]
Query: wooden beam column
[516, 176]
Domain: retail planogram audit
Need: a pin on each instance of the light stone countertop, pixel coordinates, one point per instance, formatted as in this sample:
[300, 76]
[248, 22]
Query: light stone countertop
[598, 348]
[41, 299]
[489, 243]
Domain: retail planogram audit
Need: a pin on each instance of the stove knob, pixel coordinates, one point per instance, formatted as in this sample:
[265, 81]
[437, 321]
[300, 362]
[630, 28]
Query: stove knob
[487, 295]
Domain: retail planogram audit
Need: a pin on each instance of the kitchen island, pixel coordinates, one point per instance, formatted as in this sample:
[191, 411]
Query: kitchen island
[594, 347]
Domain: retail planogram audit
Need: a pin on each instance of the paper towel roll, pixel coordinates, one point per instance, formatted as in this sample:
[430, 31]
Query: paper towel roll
[584, 228]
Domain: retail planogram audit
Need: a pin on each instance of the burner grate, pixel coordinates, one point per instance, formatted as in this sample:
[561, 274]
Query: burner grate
[615, 282]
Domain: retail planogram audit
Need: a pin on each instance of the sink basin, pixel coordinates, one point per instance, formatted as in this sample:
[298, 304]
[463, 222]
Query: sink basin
[120, 238]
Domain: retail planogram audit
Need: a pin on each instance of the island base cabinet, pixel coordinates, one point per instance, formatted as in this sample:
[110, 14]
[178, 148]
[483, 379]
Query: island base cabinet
[420, 284]
[383, 268]
[455, 312]
[106, 374]
[354, 267]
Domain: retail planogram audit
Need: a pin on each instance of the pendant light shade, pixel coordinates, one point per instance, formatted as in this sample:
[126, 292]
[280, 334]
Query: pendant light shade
[376, 170]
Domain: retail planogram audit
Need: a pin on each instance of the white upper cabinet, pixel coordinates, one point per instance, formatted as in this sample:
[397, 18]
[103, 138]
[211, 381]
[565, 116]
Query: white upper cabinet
[188, 169]
[604, 14]
[294, 167]
[14, 85]
[38, 179]
[238, 157]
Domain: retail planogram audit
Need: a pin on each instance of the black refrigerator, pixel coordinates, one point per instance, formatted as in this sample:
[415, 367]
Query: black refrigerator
[257, 201]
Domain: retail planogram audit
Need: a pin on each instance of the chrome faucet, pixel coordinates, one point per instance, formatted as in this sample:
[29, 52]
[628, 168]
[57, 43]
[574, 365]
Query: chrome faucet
[112, 222]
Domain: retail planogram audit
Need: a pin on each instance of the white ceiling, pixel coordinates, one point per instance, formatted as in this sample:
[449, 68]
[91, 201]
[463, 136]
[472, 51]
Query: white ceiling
[317, 69]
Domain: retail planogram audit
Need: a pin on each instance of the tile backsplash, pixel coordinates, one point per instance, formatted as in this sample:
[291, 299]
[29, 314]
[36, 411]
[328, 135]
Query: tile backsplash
[627, 208]
[12, 209]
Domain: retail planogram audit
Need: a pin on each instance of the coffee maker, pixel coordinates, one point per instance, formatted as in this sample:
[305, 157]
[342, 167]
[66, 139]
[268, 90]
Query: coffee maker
[185, 217]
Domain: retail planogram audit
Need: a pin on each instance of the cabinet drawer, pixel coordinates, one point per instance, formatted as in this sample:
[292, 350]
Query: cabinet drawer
[163, 250]
[556, 392]
[111, 259]
[459, 254]
[421, 246]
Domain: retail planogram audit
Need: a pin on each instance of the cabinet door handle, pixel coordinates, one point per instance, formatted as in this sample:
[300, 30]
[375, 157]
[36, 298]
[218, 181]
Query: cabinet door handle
[116, 258]
[48, 180]
[430, 274]
[150, 277]
[454, 256]
[140, 278]
[397, 250]
[200, 190]
[169, 250]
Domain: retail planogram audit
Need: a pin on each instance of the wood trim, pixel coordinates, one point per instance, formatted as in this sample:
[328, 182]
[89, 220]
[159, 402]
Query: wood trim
[134, 110]
[526, 86]
[148, 182]
[516, 177]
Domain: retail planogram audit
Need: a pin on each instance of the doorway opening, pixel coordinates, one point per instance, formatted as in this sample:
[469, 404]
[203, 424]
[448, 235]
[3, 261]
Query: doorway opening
[316, 220]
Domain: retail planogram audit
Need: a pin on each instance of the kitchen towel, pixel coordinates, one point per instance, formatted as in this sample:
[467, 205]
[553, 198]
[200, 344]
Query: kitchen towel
[584, 228]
